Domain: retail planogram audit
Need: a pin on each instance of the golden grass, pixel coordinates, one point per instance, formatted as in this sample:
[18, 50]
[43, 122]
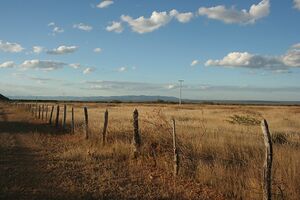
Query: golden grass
[218, 159]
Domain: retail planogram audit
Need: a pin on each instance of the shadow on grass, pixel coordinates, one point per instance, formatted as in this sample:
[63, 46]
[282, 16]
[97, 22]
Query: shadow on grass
[28, 127]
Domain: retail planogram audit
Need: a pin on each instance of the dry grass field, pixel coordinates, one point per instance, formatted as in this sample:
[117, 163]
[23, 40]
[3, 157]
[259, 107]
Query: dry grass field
[221, 153]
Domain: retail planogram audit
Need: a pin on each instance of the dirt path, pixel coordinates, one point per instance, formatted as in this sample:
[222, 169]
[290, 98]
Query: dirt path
[23, 162]
[37, 162]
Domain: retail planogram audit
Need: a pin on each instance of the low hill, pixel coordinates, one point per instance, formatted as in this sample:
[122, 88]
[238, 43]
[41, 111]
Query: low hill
[3, 98]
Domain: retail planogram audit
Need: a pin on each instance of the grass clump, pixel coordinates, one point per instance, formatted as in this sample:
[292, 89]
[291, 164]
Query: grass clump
[243, 120]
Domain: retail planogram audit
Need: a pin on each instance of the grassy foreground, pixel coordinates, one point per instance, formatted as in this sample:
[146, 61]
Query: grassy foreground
[221, 153]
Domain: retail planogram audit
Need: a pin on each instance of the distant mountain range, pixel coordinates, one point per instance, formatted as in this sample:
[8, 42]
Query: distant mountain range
[145, 98]
[130, 98]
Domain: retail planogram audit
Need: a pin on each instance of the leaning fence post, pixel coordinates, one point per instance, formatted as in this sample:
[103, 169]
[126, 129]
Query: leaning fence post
[136, 134]
[51, 113]
[57, 116]
[65, 117]
[105, 127]
[267, 173]
[175, 151]
[86, 117]
[73, 122]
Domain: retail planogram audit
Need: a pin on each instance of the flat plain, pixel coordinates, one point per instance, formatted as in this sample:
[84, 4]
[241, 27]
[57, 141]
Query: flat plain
[221, 152]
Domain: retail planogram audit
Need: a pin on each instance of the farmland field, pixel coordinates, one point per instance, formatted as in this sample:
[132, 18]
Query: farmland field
[221, 153]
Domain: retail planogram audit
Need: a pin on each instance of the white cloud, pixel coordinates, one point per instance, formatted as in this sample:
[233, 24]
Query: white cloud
[145, 25]
[296, 46]
[194, 63]
[232, 15]
[182, 17]
[55, 29]
[297, 4]
[105, 4]
[37, 49]
[10, 47]
[247, 60]
[115, 27]
[7, 64]
[122, 69]
[89, 70]
[156, 20]
[171, 86]
[51, 24]
[75, 65]
[292, 58]
[63, 50]
[97, 50]
[46, 65]
[83, 27]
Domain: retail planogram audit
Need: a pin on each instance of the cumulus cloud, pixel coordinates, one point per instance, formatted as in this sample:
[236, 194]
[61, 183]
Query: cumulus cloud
[37, 49]
[297, 4]
[83, 27]
[46, 65]
[182, 17]
[247, 60]
[232, 15]
[97, 50]
[75, 65]
[7, 64]
[105, 4]
[51, 24]
[89, 70]
[10, 47]
[194, 63]
[292, 58]
[55, 29]
[296, 46]
[58, 30]
[171, 86]
[156, 20]
[145, 25]
[122, 69]
[115, 27]
[63, 50]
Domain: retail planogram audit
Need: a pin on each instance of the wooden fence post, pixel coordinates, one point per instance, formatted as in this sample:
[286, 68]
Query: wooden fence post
[105, 127]
[39, 111]
[47, 107]
[65, 117]
[32, 110]
[73, 122]
[57, 116]
[175, 151]
[51, 113]
[43, 109]
[136, 134]
[36, 110]
[86, 117]
[267, 173]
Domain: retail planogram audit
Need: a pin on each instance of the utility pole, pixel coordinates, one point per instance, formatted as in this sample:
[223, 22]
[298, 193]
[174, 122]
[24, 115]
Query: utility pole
[180, 88]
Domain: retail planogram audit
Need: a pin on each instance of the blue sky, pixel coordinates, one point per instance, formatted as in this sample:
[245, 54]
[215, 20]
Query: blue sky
[239, 50]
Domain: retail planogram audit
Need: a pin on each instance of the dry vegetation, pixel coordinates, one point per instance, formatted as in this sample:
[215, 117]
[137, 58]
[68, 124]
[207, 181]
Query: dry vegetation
[221, 152]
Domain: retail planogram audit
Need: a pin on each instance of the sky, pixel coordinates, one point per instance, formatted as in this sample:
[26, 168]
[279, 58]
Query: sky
[223, 50]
